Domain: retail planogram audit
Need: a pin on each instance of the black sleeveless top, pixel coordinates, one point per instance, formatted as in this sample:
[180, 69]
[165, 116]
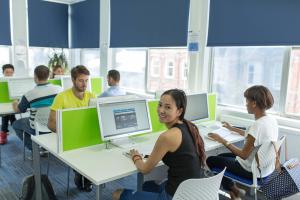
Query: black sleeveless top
[184, 163]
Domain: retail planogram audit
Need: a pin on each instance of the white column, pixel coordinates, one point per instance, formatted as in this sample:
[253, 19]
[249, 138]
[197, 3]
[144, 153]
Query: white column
[19, 36]
[198, 79]
[104, 38]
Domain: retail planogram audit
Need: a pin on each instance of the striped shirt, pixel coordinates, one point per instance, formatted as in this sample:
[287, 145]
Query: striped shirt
[41, 95]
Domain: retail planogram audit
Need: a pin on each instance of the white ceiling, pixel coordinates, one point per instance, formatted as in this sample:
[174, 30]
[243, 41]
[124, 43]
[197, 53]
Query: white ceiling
[65, 1]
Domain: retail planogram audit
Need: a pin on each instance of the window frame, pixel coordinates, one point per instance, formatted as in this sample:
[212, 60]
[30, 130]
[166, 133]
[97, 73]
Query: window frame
[281, 115]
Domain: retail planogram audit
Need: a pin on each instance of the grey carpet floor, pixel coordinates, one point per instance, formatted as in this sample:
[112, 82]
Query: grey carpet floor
[14, 169]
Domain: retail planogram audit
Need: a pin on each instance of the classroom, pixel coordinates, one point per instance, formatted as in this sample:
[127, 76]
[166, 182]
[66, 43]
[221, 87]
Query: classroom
[149, 99]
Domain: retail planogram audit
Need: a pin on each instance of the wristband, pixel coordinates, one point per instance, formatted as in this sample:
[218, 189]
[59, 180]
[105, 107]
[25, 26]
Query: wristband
[227, 143]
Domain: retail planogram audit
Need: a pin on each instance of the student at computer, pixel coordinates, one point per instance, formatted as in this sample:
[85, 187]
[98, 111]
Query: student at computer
[8, 71]
[113, 80]
[41, 95]
[181, 148]
[75, 97]
[57, 70]
[264, 129]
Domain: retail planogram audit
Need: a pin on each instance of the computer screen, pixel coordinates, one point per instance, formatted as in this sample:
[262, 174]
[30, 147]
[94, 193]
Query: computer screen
[197, 107]
[17, 87]
[66, 83]
[124, 118]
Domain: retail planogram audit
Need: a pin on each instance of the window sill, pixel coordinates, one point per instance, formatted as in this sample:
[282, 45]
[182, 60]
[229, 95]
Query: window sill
[229, 113]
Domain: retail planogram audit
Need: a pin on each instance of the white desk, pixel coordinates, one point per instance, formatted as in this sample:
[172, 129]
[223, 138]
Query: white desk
[6, 108]
[96, 163]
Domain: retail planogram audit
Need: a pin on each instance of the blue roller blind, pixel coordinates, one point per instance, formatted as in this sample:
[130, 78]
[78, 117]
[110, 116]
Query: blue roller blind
[85, 24]
[254, 22]
[149, 23]
[48, 24]
[4, 23]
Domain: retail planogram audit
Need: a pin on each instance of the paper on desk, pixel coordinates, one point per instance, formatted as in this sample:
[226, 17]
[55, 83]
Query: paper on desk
[223, 132]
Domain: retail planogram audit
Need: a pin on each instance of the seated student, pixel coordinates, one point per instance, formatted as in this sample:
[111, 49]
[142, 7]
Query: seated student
[8, 71]
[75, 97]
[181, 148]
[41, 95]
[57, 70]
[264, 129]
[113, 79]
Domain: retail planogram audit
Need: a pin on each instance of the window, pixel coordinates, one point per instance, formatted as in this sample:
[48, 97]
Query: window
[40, 56]
[257, 65]
[160, 69]
[169, 68]
[293, 91]
[184, 69]
[91, 59]
[254, 73]
[4, 58]
[155, 66]
[172, 67]
[131, 63]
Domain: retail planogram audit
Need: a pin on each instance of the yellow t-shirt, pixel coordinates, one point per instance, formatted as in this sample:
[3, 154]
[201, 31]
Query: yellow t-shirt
[67, 99]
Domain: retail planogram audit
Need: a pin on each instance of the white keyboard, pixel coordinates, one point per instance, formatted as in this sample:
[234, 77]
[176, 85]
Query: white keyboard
[204, 130]
[142, 149]
[223, 132]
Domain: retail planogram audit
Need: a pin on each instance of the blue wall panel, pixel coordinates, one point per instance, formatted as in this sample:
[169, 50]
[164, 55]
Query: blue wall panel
[149, 23]
[85, 24]
[48, 24]
[4, 23]
[254, 22]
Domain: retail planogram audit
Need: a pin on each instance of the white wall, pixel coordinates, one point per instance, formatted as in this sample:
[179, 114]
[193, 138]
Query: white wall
[19, 36]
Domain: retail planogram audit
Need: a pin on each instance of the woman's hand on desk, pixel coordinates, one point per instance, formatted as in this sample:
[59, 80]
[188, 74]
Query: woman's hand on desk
[234, 129]
[227, 125]
[216, 137]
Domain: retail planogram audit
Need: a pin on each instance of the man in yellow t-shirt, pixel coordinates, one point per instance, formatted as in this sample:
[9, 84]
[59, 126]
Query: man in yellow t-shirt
[75, 97]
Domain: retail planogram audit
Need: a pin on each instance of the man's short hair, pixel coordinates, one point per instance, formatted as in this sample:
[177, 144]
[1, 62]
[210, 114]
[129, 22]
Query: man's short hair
[42, 72]
[7, 66]
[79, 69]
[114, 74]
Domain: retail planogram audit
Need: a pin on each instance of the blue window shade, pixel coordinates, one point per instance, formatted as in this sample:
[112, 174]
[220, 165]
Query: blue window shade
[149, 23]
[4, 23]
[48, 24]
[85, 24]
[254, 22]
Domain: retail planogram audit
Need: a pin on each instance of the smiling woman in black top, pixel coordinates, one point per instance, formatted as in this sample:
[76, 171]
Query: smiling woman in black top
[181, 148]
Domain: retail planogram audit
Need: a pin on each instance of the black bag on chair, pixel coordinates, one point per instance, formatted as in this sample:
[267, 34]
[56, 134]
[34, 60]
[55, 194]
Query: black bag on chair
[283, 182]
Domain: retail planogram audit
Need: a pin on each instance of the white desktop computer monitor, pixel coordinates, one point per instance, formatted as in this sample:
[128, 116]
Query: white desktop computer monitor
[197, 107]
[122, 119]
[17, 87]
[67, 83]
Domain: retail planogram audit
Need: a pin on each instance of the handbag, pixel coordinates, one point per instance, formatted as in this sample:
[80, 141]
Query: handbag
[284, 181]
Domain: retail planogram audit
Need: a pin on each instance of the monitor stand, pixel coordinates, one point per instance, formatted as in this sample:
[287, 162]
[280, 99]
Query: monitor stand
[124, 142]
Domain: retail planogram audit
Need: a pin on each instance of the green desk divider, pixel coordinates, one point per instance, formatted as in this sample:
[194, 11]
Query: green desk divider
[212, 104]
[82, 132]
[156, 125]
[97, 85]
[55, 81]
[4, 97]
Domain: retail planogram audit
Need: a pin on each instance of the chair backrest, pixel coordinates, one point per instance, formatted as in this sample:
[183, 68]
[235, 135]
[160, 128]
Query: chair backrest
[41, 120]
[266, 156]
[200, 189]
[267, 152]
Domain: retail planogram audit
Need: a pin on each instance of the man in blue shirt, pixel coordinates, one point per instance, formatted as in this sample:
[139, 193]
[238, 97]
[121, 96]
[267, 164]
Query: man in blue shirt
[113, 79]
